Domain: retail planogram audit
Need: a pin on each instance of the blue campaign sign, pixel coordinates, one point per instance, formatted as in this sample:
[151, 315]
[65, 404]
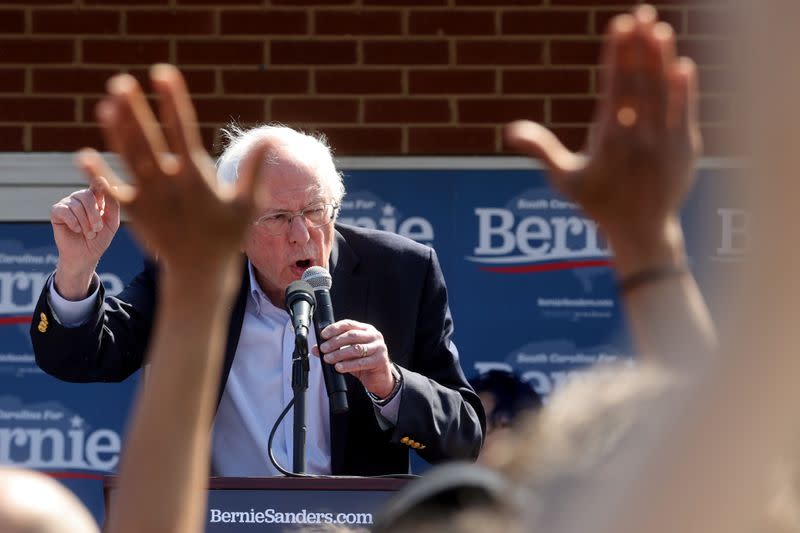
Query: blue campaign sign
[527, 272]
[529, 276]
[70, 431]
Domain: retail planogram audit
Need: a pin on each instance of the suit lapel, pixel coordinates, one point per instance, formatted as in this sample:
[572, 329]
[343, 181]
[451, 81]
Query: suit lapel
[234, 329]
[349, 299]
[349, 290]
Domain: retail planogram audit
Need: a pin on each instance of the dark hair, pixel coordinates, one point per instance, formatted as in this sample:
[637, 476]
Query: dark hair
[446, 490]
[512, 395]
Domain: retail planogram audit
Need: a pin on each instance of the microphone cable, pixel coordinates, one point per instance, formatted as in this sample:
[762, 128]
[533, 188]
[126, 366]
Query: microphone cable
[271, 455]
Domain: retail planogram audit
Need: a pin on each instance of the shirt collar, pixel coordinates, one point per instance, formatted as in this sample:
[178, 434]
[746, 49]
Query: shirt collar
[264, 305]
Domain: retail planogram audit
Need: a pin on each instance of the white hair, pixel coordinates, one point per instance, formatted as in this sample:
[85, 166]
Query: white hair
[313, 149]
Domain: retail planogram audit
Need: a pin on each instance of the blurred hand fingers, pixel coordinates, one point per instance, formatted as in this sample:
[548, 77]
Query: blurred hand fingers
[683, 117]
[130, 128]
[177, 112]
[248, 184]
[656, 55]
[617, 83]
[103, 182]
[534, 140]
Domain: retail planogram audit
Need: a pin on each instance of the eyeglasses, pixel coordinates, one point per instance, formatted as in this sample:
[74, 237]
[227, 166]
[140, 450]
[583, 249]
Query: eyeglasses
[278, 222]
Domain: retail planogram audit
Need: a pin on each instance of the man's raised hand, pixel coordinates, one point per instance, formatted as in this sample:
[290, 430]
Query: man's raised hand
[84, 224]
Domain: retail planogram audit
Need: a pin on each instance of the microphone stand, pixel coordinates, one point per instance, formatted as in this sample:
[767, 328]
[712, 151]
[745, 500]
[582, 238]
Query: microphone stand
[299, 386]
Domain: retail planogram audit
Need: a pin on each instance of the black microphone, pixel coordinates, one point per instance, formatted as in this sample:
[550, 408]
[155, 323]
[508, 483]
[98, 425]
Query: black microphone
[300, 303]
[321, 281]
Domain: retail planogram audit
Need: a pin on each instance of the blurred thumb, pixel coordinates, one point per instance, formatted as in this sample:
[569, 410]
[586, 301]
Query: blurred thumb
[107, 188]
[534, 140]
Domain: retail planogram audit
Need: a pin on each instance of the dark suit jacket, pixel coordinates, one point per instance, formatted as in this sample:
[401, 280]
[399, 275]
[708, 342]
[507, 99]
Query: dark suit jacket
[379, 278]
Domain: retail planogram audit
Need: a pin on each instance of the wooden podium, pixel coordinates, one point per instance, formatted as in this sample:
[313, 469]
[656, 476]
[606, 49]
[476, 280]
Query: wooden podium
[288, 504]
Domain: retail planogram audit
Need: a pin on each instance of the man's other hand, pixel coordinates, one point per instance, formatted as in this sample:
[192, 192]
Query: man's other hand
[359, 349]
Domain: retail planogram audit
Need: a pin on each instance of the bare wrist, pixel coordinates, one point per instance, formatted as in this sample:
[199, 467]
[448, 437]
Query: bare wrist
[387, 395]
[644, 249]
[73, 286]
[209, 279]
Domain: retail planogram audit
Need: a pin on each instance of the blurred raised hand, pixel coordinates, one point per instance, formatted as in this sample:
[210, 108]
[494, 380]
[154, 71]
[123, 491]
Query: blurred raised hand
[632, 179]
[174, 202]
[639, 160]
[196, 228]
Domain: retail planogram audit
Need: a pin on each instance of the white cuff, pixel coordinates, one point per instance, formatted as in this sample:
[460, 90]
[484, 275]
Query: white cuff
[387, 414]
[72, 314]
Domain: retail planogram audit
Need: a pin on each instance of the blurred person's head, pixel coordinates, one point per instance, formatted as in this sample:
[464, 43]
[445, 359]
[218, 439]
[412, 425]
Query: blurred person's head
[505, 397]
[591, 436]
[537, 476]
[454, 497]
[34, 503]
[483, 520]
[586, 439]
[783, 508]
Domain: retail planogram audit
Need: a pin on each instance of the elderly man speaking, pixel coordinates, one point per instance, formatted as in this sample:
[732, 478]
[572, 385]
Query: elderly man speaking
[392, 341]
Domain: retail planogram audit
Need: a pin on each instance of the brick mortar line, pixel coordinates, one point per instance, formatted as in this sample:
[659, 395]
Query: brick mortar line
[361, 38]
[43, 123]
[458, 68]
[40, 95]
[344, 123]
[543, 9]
[622, 8]
[200, 96]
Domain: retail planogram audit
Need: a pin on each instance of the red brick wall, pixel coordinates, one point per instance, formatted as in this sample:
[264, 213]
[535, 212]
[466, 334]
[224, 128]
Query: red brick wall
[377, 76]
